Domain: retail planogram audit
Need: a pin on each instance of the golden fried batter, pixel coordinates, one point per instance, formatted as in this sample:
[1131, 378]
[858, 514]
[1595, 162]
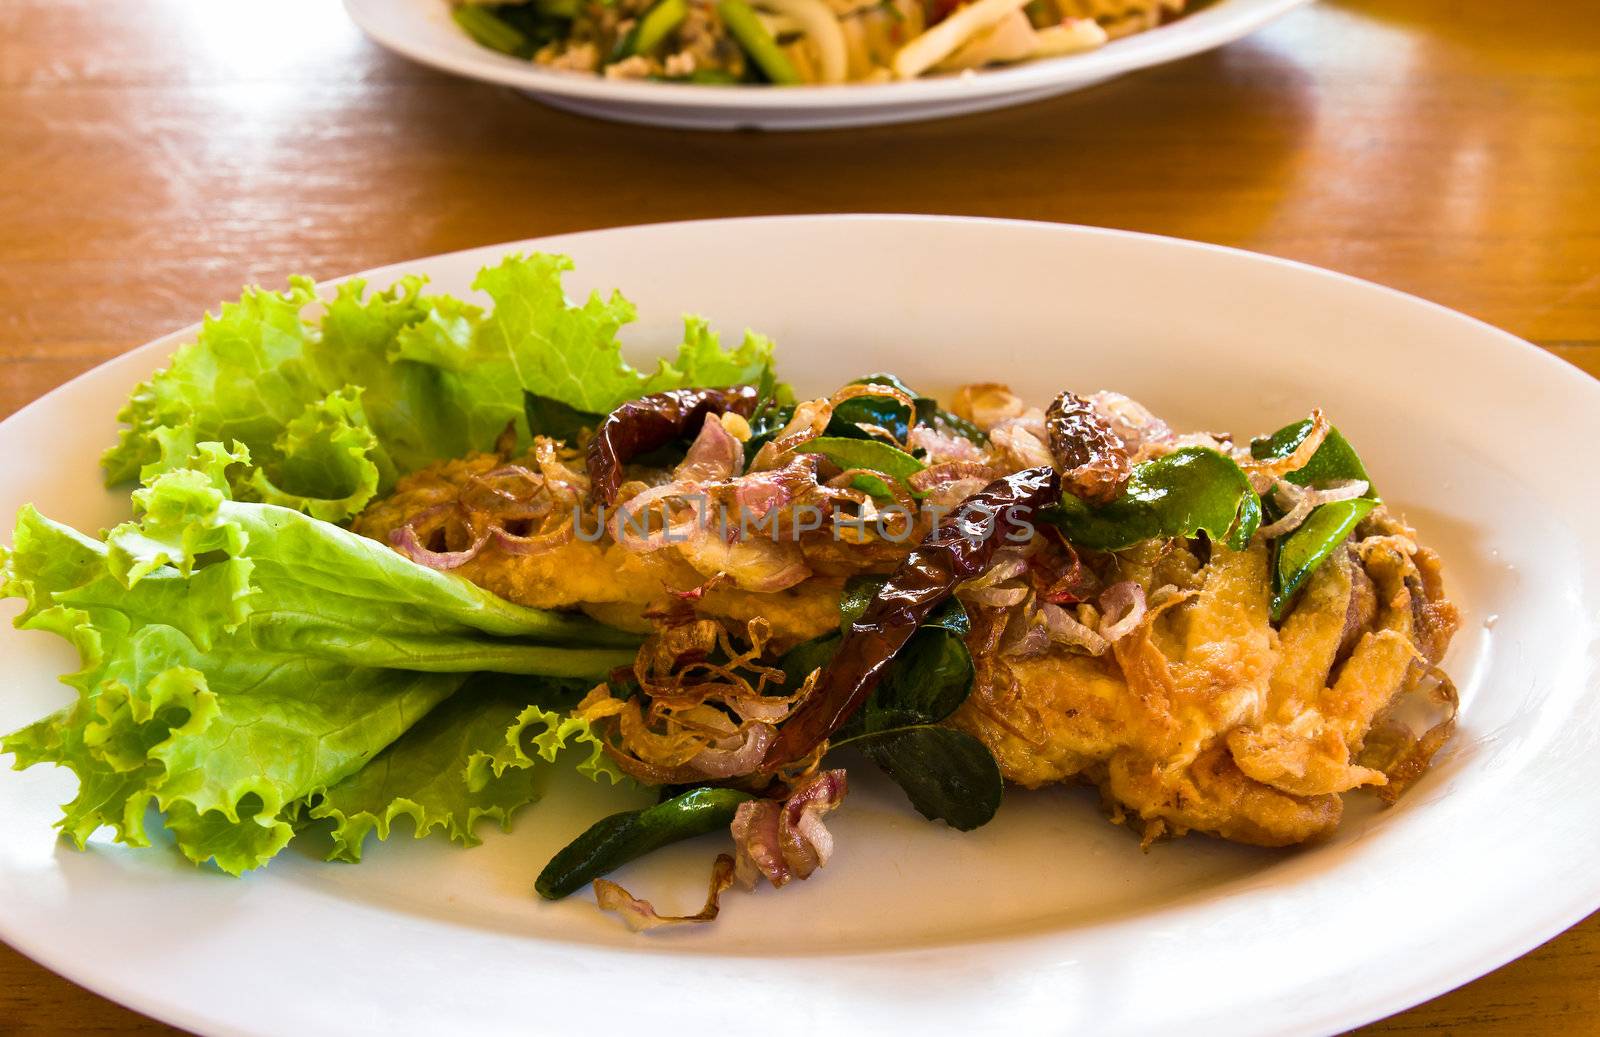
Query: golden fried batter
[1206, 718]
[601, 577]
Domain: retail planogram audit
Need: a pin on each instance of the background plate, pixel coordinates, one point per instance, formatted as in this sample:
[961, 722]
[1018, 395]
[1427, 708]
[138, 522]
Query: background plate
[422, 30]
[1049, 919]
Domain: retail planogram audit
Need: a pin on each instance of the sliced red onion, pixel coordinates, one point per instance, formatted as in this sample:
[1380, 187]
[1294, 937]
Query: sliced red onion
[759, 565]
[784, 841]
[942, 447]
[760, 708]
[1264, 473]
[714, 455]
[1124, 600]
[810, 419]
[988, 404]
[1064, 628]
[1008, 564]
[757, 853]
[1140, 430]
[948, 495]
[557, 475]
[994, 588]
[726, 763]
[944, 473]
[634, 513]
[997, 597]
[1031, 421]
[1302, 501]
[757, 494]
[641, 915]
[1032, 638]
[406, 541]
[512, 544]
[1022, 445]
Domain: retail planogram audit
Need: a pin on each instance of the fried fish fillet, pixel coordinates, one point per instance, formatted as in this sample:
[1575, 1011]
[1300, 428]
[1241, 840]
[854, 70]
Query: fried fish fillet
[1208, 719]
[606, 580]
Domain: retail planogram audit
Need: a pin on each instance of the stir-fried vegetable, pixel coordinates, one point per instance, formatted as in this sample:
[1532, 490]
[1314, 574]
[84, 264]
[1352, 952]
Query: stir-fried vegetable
[652, 30]
[757, 42]
[251, 668]
[799, 41]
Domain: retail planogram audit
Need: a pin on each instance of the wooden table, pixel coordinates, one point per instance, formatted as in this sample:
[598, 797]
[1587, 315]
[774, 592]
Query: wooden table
[154, 156]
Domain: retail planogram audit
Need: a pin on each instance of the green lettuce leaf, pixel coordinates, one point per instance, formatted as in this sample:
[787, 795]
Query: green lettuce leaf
[333, 407]
[239, 657]
[441, 772]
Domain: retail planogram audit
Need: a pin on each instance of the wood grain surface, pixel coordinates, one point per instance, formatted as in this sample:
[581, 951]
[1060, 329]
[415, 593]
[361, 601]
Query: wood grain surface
[154, 156]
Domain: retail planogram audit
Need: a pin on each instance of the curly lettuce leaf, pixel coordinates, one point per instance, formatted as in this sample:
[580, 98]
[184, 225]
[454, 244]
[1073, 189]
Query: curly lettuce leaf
[333, 407]
[442, 775]
[240, 657]
[571, 353]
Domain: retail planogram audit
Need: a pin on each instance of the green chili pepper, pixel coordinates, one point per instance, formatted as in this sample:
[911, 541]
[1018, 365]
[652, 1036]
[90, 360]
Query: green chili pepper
[756, 41]
[614, 841]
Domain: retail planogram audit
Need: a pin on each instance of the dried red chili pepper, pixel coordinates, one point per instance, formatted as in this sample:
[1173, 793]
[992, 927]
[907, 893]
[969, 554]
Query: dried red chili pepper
[960, 548]
[1092, 457]
[641, 425]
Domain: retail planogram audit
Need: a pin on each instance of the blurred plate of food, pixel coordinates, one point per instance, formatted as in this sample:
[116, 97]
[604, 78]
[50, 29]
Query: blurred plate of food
[801, 64]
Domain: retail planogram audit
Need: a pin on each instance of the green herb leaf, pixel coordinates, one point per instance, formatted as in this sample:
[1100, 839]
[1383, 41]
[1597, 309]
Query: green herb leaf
[549, 417]
[1310, 544]
[872, 454]
[798, 662]
[614, 841]
[883, 411]
[947, 774]
[1186, 492]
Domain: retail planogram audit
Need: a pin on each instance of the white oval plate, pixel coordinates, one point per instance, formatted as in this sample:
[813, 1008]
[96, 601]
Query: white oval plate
[422, 31]
[1049, 919]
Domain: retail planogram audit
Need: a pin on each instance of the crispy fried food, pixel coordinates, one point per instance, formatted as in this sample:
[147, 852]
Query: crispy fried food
[1204, 717]
[1208, 719]
[601, 577]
